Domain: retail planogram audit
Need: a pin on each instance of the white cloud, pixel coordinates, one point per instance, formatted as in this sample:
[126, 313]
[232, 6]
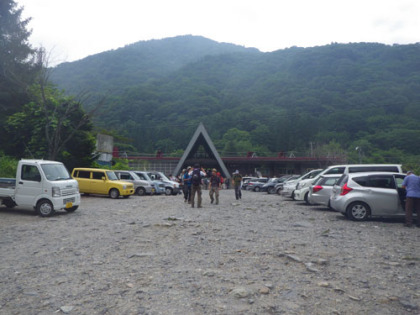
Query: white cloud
[77, 28]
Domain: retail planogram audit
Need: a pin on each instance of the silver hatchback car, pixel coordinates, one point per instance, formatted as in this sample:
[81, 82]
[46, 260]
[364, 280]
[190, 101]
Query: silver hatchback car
[362, 195]
[321, 189]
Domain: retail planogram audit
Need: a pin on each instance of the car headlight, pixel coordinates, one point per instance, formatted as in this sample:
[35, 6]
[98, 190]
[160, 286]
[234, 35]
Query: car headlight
[56, 192]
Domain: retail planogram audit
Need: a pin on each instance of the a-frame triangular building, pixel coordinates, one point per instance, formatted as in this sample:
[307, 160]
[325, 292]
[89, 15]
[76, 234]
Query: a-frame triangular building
[201, 150]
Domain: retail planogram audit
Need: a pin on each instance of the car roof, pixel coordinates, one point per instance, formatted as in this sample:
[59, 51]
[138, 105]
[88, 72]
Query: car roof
[351, 175]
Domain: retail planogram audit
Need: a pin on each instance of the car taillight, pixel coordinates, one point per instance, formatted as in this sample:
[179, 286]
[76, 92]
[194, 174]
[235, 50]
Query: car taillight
[345, 190]
[316, 188]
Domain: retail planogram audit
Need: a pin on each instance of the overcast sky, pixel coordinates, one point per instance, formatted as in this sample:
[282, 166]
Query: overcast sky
[74, 29]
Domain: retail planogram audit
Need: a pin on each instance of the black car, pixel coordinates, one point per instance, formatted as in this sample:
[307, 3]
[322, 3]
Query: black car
[269, 187]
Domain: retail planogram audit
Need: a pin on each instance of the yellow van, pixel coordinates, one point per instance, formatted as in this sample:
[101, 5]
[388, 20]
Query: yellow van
[102, 182]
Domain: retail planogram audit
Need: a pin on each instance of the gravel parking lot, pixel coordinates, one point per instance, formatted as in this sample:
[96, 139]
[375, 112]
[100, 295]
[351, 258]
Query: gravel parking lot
[264, 254]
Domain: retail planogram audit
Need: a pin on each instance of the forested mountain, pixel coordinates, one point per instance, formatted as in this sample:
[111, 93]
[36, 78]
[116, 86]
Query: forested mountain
[338, 96]
[144, 61]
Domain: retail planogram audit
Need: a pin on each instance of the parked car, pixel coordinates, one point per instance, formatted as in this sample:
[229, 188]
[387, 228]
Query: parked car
[256, 184]
[302, 189]
[159, 185]
[362, 195]
[171, 187]
[141, 187]
[269, 187]
[102, 182]
[246, 180]
[320, 191]
[289, 187]
[45, 186]
[279, 186]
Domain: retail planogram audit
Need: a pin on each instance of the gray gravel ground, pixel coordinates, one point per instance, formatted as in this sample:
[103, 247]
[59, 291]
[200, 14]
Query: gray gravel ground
[263, 254]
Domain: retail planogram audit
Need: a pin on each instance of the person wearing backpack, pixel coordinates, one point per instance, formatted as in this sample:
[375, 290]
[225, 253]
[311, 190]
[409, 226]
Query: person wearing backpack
[237, 184]
[196, 176]
[214, 186]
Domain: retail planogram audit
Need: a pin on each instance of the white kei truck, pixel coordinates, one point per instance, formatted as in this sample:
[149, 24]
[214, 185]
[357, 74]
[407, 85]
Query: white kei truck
[45, 186]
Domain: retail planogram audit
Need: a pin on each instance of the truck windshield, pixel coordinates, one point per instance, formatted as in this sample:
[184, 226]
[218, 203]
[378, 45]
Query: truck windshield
[111, 175]
[55, 172]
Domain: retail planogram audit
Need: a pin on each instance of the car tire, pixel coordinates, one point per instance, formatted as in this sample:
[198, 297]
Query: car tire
[293, 195]
[257, 189]
[141, 191]
[358, 211]
[271, 190]
[306, 198]
[45, 208]
[114, 193]
[168, 191]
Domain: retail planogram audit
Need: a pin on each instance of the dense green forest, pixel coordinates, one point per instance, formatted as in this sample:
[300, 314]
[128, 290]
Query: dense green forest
[331, 98]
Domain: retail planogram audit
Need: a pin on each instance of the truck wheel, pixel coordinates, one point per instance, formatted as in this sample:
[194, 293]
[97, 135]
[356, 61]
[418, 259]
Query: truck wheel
[45, 208]
[72, 209]
[114, 193]
[9, 203]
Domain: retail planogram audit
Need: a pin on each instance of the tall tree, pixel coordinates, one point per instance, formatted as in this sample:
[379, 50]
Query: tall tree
[17, 68]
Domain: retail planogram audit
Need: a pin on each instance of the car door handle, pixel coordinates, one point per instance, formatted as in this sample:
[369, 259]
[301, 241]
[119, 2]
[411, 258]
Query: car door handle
[21, 183]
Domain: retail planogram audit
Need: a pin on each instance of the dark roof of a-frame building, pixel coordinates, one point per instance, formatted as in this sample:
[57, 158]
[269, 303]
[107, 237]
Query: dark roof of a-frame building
[201, 138]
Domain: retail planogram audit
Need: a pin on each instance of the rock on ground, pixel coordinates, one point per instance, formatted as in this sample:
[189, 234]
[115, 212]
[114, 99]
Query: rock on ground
[263, 254]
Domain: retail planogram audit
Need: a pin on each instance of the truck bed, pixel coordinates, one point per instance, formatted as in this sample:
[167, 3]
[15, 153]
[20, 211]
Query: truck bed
[7, 187]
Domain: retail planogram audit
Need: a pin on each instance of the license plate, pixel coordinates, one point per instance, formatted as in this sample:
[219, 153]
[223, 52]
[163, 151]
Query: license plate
[69, 205]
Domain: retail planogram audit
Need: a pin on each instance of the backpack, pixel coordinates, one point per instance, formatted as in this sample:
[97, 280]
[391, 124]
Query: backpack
[196, 177]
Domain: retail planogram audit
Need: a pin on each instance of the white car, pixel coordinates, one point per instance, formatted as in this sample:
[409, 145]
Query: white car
[290, 186]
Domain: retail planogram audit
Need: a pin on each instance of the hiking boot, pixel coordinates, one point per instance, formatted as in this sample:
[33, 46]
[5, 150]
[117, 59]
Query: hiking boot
[212, 201]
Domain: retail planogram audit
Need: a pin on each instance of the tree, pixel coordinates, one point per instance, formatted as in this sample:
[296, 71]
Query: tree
[17, 68]
[56, 130]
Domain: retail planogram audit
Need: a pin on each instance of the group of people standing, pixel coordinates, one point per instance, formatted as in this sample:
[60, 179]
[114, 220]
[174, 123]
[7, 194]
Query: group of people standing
[193, 180]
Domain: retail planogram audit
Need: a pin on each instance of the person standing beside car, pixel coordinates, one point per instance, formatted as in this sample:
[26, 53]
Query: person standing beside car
[411, 184]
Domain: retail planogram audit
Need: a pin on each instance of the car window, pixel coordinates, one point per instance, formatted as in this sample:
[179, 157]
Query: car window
[362, 180]
[335, 170]
[125, 176]
[83, 174]
[141, 176]
[342, 180]
[399, 180]
[31, 173]
[327, 181]
[381, 181]
[98, 175]
[111, 175]
[379, 168]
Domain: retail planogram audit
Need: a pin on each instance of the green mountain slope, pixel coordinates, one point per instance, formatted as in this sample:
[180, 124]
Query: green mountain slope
[363, 94]
[112, 71]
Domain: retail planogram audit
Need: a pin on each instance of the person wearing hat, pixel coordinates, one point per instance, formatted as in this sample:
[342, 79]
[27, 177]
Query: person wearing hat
[214, 186]
[411, 184]
[237, 184]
